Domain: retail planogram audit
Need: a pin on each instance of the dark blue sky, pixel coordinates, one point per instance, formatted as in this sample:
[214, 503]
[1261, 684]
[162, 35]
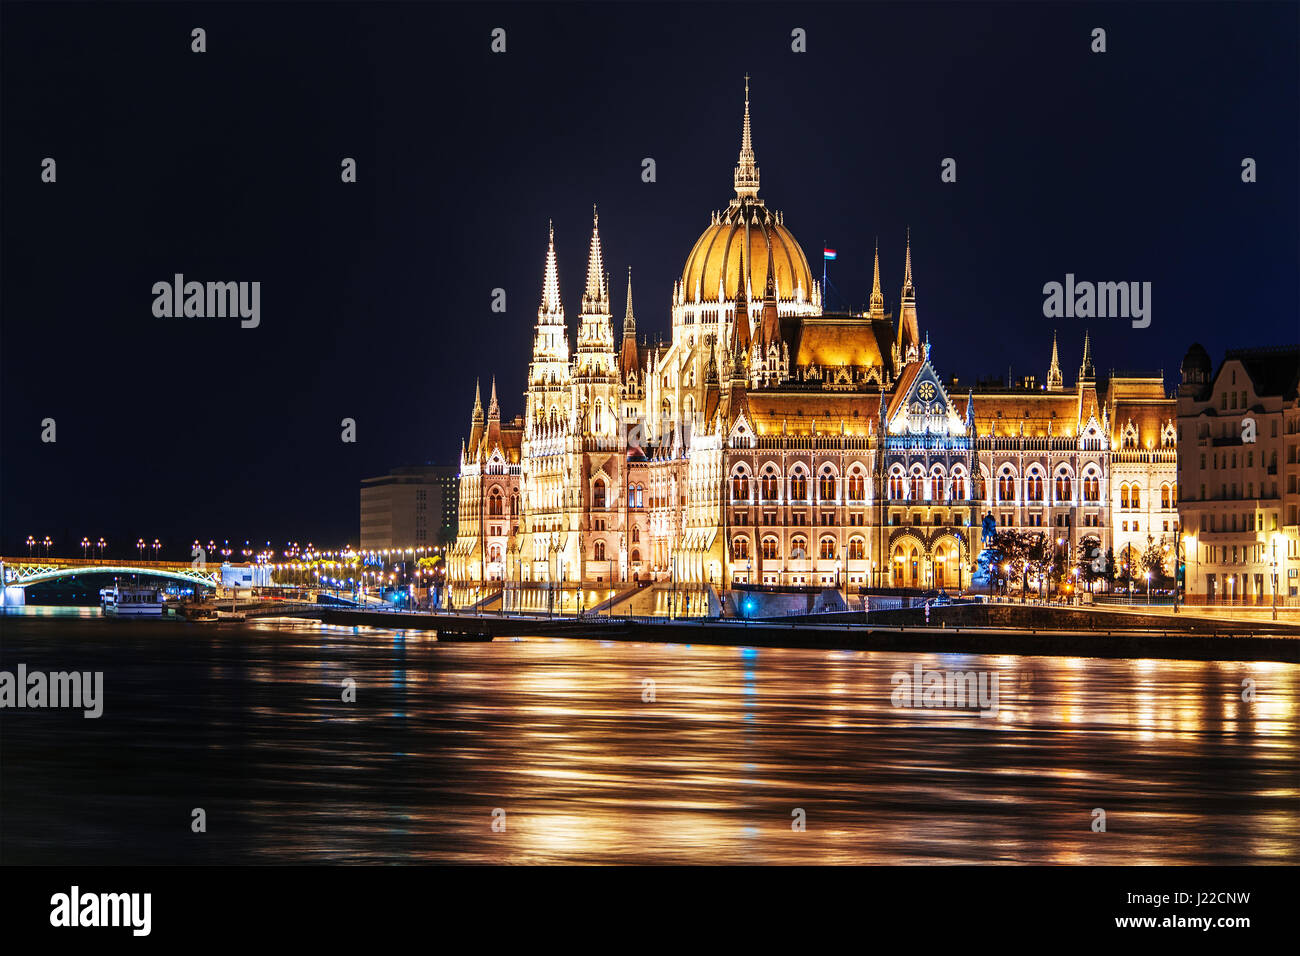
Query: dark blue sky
[376, 296]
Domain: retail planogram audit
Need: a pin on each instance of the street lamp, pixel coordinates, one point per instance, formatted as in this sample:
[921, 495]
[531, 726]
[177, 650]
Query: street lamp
[85, 546]
[101, 544]
[1148, 588]
[1275, 537]
[47, 542]
[31, 543]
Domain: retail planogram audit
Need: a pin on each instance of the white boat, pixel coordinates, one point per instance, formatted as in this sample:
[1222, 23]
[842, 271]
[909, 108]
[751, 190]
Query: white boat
[122, 600]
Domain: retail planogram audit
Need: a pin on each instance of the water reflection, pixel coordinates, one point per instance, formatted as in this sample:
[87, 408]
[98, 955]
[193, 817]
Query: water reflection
[249, 723]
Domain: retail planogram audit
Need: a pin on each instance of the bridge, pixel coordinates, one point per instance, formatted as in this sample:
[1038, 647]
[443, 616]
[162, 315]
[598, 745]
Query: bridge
[24, 572]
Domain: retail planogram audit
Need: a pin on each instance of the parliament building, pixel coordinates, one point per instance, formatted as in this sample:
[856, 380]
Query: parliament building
[773, 442]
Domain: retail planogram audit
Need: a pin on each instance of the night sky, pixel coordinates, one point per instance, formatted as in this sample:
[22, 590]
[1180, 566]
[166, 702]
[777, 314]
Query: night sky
[376, 295]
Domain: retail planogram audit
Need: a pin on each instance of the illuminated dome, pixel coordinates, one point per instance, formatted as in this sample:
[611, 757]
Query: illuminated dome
[748, 229]
[717, 255]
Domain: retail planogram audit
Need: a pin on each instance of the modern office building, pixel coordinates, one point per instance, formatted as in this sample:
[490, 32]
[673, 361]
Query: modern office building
[410, 507]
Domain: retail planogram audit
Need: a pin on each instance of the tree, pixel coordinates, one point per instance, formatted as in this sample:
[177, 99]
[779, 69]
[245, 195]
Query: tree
[1128, 563]
[1085, 564]
[1108, 569]
[1153, 559]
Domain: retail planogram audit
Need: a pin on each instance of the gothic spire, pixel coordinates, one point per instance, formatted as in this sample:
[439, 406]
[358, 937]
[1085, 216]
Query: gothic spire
[1054, 377]
[909, 330]
[596, 298]
[746, 178]
[478, 405]
[629, 320]
[1085, 369]
[909, 291]
[551, 283]
[877, 297]
[740, 339]
[494, 410]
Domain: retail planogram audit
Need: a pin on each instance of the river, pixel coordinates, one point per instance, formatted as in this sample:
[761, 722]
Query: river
[560, 751]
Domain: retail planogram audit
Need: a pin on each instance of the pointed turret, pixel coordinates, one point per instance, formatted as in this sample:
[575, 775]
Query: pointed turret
[740, 337]
[627, 359]
[1086, 371]
[746, 178]
[1055, 381]
[770, 332]
[476, 423]
[493, 419]
[596, 297]
[551, 281]
[877, 306]
[550, 339]
[909, 333]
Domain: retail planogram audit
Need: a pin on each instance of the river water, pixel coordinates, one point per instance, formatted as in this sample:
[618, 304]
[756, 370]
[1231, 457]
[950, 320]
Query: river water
[559, 751]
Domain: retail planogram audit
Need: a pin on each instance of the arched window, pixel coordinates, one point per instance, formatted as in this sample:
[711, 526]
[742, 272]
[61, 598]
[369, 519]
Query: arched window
[798, 547]
[770, 549]
[1064, 493]
[1164, 496]
[640, 492]
[827, 550]
[1091, 488]
[895, 487]
[740, 549]
[1173, 495]
[636, 535]
[739, 487]
[1136, 493]
[1123, 496]
[918, 487]
[494, 554]
[857, 487]
[1034, 487]
[769, 486]
[494, 502]
[799, 487]
[636, 556]
[1006, 487]
[598, 494]
[958, 488]
[857, 549]
[598, 551]
[826, 487]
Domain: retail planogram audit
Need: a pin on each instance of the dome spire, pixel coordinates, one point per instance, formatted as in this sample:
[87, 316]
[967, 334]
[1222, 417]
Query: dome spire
[746, 178]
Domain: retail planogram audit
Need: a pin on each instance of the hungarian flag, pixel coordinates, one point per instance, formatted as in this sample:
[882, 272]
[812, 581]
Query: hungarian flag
[828, 253]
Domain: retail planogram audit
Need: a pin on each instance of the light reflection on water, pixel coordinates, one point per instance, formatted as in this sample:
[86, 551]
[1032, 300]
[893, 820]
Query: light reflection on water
[248, 723]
